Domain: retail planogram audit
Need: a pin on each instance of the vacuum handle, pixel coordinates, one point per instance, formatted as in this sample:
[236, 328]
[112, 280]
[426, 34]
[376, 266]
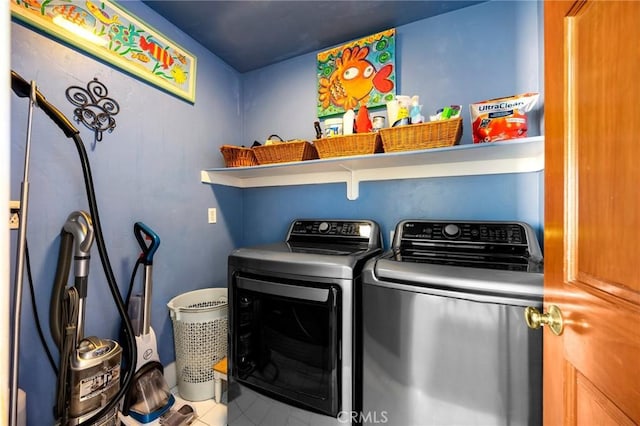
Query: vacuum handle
[143, 232]
[23, 90]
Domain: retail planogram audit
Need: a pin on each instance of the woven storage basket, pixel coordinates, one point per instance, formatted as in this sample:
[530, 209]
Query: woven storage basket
[412, 137]
[297, 150]
[237, 156]
[342, 146]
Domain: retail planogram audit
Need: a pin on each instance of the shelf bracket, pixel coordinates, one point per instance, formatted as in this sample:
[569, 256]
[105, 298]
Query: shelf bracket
[352, 182]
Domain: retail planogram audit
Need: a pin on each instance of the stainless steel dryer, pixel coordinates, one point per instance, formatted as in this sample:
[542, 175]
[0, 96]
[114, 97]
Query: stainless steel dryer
[291, 327]
[444, 336]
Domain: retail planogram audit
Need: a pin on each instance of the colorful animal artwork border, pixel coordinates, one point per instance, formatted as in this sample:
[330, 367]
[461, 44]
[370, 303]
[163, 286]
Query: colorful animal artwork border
[105, 30]
[361, 72]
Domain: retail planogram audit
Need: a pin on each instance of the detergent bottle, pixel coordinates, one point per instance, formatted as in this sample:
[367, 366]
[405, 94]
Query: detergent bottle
[363, 122]
[347, 122]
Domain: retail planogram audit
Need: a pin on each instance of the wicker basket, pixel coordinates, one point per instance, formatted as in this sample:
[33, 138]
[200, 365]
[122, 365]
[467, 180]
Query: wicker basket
[297, 150]
[237, 156]
[412, 137]
[342, 146]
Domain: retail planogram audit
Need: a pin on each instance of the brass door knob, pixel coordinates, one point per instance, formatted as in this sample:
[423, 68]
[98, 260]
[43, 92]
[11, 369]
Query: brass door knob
[553, 318]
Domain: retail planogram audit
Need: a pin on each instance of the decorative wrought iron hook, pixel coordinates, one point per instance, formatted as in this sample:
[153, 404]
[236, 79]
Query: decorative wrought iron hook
[94, 108]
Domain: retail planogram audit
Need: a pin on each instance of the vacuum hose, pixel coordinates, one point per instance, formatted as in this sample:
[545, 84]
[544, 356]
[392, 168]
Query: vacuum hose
[78, 228]
[59, 286]
[20, 87]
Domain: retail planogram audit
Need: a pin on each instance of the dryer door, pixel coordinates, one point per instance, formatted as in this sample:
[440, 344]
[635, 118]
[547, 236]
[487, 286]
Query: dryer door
[286, 340]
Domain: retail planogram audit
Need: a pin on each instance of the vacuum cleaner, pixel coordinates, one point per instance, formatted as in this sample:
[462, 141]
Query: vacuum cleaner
[91, 383]
[148, 397]
[89, 370]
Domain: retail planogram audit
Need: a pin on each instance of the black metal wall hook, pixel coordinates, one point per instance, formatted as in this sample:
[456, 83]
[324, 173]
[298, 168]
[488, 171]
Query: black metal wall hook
[94, 108]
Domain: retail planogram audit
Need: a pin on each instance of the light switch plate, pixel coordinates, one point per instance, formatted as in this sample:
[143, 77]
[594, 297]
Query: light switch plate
[212, 215]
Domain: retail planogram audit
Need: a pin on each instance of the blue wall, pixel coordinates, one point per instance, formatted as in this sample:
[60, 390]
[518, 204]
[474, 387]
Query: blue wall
[487, 197]
[481, 52]
[148, 168]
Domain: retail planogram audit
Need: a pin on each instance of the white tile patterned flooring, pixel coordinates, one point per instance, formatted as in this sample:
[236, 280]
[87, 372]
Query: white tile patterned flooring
[251, 408]
[247, 410]
[209, 412]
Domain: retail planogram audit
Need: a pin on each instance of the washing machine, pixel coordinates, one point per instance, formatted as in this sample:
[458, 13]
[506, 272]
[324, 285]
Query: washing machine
[444, 336]
[293, 332]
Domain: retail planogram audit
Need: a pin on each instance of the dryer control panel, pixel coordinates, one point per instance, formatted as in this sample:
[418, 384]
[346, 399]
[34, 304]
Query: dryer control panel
[335, 231]
[328, 227]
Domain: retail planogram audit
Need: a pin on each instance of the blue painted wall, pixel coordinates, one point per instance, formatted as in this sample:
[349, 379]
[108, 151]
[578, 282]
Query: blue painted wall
[480, 52]
[488, 197]
[148, 168]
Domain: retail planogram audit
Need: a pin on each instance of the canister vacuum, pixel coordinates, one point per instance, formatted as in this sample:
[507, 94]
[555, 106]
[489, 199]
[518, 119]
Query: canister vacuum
[89, 372]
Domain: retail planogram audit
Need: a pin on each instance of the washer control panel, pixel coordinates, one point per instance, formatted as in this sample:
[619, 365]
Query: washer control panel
[478, 232]
[504, 245]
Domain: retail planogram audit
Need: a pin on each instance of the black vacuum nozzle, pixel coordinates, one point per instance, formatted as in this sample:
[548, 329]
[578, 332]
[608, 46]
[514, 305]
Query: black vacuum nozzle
[23, 89]
[20, 85]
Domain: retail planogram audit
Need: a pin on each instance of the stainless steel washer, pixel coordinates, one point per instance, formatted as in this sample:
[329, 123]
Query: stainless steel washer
[444, 336]
[292, 331]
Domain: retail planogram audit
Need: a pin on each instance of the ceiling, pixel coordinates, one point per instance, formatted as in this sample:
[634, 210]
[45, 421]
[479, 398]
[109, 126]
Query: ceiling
[250, 34]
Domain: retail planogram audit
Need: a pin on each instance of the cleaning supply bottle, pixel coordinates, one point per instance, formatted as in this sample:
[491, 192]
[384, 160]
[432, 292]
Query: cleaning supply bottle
[363, 122]
[347, 122]
[416, 109]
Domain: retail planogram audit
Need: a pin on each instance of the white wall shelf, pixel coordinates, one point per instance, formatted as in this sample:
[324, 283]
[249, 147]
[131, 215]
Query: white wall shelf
[516, 156]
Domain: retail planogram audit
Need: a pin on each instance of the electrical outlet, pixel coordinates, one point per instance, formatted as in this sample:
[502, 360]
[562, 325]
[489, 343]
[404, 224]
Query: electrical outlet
[212, 215]
[14, 218]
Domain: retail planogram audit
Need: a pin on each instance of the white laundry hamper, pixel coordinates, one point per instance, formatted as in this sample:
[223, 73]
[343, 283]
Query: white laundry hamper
[200, 336]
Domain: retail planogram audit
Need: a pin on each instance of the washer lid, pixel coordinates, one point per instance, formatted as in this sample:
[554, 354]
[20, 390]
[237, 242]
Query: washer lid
[490, 285]
[484, 259]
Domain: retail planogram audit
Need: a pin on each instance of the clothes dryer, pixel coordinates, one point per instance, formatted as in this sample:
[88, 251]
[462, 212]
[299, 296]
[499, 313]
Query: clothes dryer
[292, 325]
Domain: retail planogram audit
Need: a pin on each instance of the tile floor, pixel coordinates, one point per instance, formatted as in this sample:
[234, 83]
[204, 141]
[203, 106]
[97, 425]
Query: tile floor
[209, 412]
[250, 408]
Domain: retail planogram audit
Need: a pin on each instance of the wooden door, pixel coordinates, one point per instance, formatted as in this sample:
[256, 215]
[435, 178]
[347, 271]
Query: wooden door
[592, 211]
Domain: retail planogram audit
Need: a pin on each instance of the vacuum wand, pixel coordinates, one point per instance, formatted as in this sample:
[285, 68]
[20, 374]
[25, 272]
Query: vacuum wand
[148, 285]
[19, 277]
[23, 90]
